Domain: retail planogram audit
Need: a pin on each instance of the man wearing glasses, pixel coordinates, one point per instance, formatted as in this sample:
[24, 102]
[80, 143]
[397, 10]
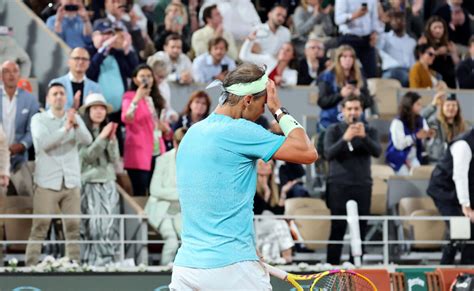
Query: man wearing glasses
[75, 82]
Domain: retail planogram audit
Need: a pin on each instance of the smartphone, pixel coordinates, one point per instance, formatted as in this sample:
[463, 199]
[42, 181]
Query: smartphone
[224, 67]
[5, 30]
[354, 120]
[364, 5]
[145, 83]
[452, 97]
[126, 8]
[71, 7]
[352, 82]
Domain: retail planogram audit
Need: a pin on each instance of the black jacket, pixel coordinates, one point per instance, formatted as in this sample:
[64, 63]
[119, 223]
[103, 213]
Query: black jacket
[350, 167]
[465, 74]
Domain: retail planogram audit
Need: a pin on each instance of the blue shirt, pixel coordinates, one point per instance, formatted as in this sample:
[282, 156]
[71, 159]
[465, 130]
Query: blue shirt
[204, 69]
[72, 31]
[217, 177]
[110, 81]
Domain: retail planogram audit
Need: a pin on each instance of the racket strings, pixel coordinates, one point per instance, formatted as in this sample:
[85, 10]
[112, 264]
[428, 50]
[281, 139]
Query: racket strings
[342, 281]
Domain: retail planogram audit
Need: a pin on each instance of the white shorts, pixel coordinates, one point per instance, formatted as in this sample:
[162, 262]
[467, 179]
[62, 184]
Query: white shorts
[243, 276]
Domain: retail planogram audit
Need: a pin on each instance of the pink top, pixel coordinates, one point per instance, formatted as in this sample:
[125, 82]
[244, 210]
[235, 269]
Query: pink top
[138, 148]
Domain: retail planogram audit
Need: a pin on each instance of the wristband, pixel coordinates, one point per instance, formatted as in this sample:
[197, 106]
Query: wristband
[288, 123]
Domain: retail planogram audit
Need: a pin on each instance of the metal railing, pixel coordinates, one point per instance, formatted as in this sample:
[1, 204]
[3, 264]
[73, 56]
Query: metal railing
[386, 242]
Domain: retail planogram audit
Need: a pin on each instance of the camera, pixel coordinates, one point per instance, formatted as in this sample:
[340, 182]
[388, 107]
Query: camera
[71, 7]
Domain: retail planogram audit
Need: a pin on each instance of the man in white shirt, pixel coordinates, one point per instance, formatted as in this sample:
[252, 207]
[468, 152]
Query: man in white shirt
[214, 64]
[359, 26]
[214, 28]
[271, 35]
[452, 189]
[56, 136]
[396, 49]
[179, 65]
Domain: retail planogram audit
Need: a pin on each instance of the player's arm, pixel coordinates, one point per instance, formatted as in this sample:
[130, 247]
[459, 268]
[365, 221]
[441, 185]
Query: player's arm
[297, 147]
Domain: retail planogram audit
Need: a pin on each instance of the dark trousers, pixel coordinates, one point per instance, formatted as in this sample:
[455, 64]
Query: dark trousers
[364, 51]
[141, 179]
[452, 208]
[337, 196]
[117, 118]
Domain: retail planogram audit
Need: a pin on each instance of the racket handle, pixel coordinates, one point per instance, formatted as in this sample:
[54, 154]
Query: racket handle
[275, 272]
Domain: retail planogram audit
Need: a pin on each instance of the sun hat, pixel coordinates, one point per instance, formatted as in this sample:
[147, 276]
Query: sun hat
[95, 99]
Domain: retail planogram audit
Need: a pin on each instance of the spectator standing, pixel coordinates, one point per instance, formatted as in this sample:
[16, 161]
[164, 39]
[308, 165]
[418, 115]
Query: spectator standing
[349, 146]
[214, 64]
[164, 200]
[75, 82]
[71, 23]
[451, 187]
[17, 108]
[271, 35]
[197, 109]
[213, 28]
[396, 49]
[407, 133]
[99, 194]
[310, 18]
[444, 117]
[57, 133]
[179, 65]
[118, 17]
[175, 22]
[358, 22]
[111, 66]
[465, 69]
[142, 109]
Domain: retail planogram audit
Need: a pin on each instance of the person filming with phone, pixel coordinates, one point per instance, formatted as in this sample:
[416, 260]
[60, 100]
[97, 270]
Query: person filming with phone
[359, 26]
[348, 146]
[215, 64]
[143, 114]
[71, 23]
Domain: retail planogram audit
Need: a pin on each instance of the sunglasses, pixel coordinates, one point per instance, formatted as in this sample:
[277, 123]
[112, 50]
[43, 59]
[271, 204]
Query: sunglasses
[431, 54]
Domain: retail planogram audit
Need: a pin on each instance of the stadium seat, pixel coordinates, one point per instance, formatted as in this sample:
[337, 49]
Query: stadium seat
[423, 172]
[433, 281]
[310, 206]
[448, 275]
[379, 197]
[380, 278]
[385, 93]
[381, 171]
[419, 230]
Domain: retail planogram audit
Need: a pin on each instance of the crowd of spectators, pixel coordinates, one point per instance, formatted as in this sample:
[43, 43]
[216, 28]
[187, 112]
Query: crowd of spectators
[115, 100]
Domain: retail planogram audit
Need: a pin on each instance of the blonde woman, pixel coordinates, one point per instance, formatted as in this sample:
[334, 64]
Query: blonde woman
[445, 118]
[340, 81]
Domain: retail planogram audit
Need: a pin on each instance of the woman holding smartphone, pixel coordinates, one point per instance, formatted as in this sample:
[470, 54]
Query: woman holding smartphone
[146, 132]
[340, 81]
[99, 195]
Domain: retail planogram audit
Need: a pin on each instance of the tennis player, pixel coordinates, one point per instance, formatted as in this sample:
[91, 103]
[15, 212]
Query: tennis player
[217, 175]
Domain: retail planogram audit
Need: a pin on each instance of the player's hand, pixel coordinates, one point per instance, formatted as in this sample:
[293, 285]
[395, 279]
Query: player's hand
[273, 102]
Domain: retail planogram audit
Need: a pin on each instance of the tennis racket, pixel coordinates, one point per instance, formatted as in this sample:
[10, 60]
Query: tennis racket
[337, 280]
